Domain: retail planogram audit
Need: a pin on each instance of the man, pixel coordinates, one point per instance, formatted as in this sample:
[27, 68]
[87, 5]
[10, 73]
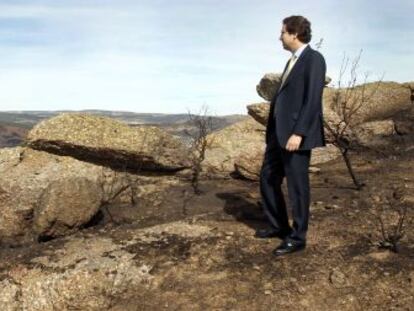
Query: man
[294, 127]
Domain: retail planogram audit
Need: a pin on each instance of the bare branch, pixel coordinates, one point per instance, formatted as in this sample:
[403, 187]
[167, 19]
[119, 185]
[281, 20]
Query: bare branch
[199, 143]
[347, 102]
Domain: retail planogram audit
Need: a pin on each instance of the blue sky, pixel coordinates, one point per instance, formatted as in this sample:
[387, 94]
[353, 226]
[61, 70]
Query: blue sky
[174, 56]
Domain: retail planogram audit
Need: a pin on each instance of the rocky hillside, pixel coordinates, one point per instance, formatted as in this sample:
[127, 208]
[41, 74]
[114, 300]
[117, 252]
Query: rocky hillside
[201, 255]
[96, 214]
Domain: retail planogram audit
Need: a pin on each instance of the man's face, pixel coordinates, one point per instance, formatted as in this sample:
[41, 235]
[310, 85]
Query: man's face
[288, 40]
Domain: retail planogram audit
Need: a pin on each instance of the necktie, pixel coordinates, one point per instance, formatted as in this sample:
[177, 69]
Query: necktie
[292, 61]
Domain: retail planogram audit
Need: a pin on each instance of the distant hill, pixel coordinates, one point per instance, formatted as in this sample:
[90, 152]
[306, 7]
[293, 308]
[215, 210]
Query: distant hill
[14, 125]
[11, 135]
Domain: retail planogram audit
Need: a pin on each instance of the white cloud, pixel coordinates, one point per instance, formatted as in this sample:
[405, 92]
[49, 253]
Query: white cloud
[167, 56]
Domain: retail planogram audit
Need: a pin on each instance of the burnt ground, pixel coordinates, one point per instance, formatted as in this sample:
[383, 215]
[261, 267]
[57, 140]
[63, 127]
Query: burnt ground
[342, 267]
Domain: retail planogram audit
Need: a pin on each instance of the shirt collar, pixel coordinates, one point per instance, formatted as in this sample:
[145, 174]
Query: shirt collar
[299, 51]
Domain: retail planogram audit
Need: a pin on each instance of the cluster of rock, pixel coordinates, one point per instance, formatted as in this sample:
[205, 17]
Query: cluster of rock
[73, 164]
[240, 147]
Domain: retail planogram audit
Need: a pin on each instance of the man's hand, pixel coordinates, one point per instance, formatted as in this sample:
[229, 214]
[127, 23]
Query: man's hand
[293, 142]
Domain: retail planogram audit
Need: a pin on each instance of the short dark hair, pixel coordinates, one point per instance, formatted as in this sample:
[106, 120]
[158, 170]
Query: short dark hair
[299, 25]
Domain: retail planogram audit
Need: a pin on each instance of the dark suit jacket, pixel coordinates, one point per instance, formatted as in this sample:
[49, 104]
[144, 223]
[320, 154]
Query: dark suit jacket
[298, 103]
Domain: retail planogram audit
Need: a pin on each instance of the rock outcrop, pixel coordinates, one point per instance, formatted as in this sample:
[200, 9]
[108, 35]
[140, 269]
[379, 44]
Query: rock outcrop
[66, 204]
[88, 272]
[242, 138]
[73, 165]
[268, 85]
[248, 166]
[44, 195]
[373, 119]
[260, 112]
[110, 142]
[368, 131]
[271, 82]
[240, 148]
[382, 100]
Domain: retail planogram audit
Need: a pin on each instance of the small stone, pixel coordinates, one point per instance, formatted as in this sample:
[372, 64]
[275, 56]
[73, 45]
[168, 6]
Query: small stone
[337, 278]
[382, 255]
[314, 169]
[376, 198]
[267, 292]
[331, 206]
[268, 286]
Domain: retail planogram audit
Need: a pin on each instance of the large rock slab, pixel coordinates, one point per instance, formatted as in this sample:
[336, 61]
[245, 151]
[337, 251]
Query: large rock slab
[249, 166]
[242, 138]
[383, 100]
[107, 141]
[44, 195]
[259, 112]
[368, 131]
[270, 83]
[324, 154]
[66, 204]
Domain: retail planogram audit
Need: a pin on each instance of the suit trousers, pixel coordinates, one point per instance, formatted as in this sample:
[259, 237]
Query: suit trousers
[279, 163]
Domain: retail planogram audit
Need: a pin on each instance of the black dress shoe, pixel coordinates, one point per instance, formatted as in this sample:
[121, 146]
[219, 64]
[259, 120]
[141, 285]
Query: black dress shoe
[271, 233]
[288, 247]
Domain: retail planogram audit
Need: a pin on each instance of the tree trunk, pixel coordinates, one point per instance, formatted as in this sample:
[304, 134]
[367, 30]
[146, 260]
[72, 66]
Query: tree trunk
[357, 183]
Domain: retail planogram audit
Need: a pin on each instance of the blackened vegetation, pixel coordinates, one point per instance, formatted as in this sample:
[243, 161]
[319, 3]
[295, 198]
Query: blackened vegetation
[347, 102]
[199, 143]
[390, 210]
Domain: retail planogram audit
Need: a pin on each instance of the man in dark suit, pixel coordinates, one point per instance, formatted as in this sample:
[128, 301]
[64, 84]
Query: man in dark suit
[294, 127]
